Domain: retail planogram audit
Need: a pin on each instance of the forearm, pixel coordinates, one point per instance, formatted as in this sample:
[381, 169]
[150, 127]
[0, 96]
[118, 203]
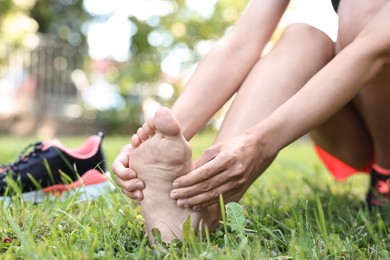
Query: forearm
[328, 91]
[219, 75]
[216, 79]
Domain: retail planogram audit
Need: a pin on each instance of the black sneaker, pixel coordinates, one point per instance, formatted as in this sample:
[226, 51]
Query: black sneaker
[48, 168]
[379, 190]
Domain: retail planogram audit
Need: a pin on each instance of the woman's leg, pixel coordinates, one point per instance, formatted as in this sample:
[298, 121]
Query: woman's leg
[296, 57]
[301, 52]
[362, 128]
[373, 103]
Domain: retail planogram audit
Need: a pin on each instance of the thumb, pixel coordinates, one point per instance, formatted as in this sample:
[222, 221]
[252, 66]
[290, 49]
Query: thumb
[207, 156]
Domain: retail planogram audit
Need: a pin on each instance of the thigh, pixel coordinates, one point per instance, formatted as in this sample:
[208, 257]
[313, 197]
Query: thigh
[348, 134]
[346, 137]
[300, 52]
[373, 101]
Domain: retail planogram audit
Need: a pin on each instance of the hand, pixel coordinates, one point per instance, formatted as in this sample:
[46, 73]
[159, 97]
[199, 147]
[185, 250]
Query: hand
[226, 168]
[126, 178]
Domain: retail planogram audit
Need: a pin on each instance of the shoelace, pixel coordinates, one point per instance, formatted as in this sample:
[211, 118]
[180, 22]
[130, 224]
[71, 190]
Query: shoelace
[23, 157]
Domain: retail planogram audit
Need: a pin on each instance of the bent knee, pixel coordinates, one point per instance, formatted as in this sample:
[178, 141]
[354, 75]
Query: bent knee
[308, 33]
[309, 36]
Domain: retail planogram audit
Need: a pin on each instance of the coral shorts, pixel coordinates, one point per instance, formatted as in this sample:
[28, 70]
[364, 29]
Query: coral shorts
[339, 169]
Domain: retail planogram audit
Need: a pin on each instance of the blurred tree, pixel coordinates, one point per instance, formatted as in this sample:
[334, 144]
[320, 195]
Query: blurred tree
[183, 35]
[20, 20]
[5, 6]
[61, 18]
[163, 47]
[17, 30]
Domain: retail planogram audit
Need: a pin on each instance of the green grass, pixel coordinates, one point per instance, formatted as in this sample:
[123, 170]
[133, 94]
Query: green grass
[294, 211]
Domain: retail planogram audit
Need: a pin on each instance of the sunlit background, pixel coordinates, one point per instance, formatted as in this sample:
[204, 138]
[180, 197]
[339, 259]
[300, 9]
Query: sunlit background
[72, 66]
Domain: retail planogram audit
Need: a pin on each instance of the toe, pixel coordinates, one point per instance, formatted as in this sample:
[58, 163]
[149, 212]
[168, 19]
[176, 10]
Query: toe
[166, 123]
[147, 129]
[150, 123]
[141, 134]
[135, 141]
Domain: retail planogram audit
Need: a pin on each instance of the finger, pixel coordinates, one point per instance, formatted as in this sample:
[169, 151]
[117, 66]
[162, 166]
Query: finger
[199, 201]
[137, 195]
[127, 149]
[207, 204]
[122, 159]
[200, 174]
[123, 172]
[199, 188]
[207, 198]
[207, 156]
[131, 185]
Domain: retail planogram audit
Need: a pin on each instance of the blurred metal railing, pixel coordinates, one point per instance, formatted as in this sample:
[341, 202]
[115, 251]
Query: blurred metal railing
[39, 81]
[52, 64]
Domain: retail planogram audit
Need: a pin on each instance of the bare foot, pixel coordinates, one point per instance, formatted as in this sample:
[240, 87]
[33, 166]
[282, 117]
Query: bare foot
[161, 155]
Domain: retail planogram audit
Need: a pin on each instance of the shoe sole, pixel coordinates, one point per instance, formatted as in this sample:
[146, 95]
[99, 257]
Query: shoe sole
[90, 186]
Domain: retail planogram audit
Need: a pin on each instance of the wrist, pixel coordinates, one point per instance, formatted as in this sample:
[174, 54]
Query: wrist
[267, 139]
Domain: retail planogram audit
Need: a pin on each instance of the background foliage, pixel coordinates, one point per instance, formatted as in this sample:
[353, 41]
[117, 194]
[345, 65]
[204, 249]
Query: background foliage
[184, 29]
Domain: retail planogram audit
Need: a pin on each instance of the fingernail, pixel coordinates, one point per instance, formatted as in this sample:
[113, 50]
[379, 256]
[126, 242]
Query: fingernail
[196, 208]
[173, 195]
[175, 184]
[139, 184]
[138, 195]
[181, 203]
